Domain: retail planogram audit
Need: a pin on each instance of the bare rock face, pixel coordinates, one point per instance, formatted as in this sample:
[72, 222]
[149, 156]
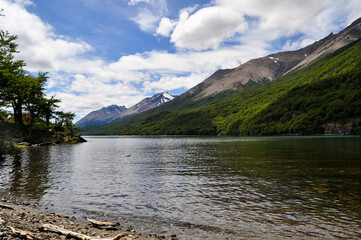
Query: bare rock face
[114, 113]
[334, 42]
[274, 66]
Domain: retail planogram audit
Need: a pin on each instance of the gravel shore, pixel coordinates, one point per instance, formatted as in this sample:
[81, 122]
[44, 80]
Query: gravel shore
[24, 222]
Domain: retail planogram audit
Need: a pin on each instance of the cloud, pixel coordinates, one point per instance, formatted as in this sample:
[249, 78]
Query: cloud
[171, 82]
[38, 44]
[184, 62]
[260, 20]
[165, 27]
[149, 16]
[207, 28]
[285, 14]
[146, 20]
[24, 2]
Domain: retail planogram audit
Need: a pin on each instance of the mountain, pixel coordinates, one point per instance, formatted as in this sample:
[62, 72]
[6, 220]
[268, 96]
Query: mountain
[286, 93]
[263, 70]
[102, 116]
[149, 103]
[114, 113]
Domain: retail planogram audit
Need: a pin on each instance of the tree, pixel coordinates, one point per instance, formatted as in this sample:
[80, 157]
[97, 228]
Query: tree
[10, 71]
[35, 101]
[21, 90]
[25, 94]
[65, 118]
[49, 107]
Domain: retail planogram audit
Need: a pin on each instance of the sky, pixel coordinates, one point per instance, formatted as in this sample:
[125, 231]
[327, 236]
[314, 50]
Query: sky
[104, 52]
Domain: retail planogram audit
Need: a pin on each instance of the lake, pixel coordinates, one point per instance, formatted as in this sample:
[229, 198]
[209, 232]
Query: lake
[198, 187]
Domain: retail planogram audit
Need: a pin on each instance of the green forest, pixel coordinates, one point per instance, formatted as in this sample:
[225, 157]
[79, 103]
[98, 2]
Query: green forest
[26, 114]
[321, 98]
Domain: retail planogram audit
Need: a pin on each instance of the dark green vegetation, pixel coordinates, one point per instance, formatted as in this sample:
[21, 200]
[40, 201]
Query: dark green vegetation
[322, 98]
[31, 113]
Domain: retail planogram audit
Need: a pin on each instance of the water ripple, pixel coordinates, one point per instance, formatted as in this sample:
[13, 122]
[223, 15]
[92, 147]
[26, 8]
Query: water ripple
[207, 188]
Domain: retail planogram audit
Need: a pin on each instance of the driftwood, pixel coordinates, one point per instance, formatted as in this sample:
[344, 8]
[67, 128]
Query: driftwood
[22, 233]
[103, 225]
[62, 231]
[6, 207]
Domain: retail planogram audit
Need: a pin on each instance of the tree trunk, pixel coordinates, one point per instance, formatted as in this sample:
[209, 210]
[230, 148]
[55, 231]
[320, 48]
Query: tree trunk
[18, 116]
[47, 116]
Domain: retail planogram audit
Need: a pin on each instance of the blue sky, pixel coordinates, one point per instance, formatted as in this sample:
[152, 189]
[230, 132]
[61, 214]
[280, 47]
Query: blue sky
[100, 52]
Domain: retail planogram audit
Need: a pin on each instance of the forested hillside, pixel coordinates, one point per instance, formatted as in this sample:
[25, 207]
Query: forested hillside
[323, 98]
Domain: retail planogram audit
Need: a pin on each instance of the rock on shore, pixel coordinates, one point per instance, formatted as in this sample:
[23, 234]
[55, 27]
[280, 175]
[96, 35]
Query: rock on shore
[22, 222]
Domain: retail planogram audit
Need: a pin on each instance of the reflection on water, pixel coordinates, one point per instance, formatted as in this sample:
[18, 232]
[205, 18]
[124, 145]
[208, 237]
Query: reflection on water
[241, 187]
[26, 173]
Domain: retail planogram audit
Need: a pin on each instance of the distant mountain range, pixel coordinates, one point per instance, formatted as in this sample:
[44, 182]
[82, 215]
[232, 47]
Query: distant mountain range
[114, 113]
[314, 90]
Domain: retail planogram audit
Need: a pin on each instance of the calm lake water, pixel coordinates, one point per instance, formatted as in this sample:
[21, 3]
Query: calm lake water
[199, 188]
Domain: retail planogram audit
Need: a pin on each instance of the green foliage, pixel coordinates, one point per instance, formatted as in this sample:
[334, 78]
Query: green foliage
[302, 102]
[25, 94]
[19, 89]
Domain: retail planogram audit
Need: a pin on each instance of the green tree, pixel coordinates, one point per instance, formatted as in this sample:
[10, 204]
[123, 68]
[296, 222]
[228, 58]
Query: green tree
[21, 90]
[65, 118]
[33, 95]
[10, 71]
[49, 107]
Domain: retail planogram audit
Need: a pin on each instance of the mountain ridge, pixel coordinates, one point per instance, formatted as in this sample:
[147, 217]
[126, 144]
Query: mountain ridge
[272, 67]
[114, 113]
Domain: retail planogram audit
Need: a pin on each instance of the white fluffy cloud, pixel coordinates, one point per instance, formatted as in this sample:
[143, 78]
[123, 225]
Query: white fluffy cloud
[207, 28]
[38, 44]
[292, 15]
[171, 82]
[187, 62]
[210, 26]
[165, 27]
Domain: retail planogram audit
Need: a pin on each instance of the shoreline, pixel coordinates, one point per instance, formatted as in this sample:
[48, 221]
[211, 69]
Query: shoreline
[26, 222]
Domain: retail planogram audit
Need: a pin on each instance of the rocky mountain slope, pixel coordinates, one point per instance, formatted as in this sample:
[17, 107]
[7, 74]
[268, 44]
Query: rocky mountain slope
[266, 69]
[114, 113]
